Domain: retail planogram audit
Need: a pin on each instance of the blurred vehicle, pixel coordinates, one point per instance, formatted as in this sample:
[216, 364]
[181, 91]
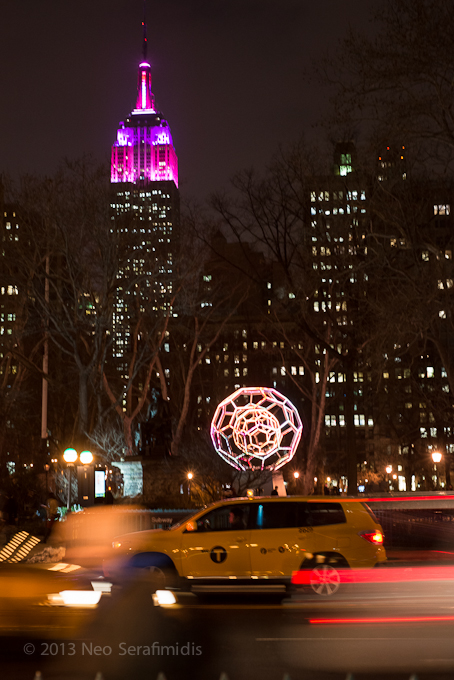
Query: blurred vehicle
[412, 580]
[258, 542]
[88, 535]
[44, 599]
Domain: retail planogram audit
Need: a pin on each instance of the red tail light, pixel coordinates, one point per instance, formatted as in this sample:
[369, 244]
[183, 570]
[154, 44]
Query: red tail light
[375, 537]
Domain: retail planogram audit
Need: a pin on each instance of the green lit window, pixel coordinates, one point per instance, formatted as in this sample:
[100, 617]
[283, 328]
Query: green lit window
[345, 166]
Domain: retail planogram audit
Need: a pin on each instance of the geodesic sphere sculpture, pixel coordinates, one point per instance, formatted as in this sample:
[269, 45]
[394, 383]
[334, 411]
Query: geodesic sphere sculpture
[256, 428]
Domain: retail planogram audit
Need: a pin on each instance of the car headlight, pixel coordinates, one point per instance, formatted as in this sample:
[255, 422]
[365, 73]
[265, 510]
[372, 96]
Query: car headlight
[75, 598]
[163, 598]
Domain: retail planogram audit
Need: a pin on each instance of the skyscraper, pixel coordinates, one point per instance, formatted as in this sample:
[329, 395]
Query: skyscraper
[145, 209]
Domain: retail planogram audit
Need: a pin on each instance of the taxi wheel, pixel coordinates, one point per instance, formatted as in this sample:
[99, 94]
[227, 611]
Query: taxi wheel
[160, 577]
[156, 577]
[325, 580]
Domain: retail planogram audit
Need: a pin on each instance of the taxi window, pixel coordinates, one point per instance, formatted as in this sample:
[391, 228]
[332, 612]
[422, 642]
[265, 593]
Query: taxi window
[226, 518]
[326, 513]
[281, 515]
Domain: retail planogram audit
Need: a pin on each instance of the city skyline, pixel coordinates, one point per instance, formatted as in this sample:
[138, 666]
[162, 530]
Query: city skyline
[230, 77]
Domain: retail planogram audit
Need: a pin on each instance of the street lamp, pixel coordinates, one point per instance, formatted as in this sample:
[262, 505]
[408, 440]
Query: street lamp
[389, 469]
[436, 457]
[86, 457]
[70, 457]
[296, 476]
[190, 476]
[46, 470]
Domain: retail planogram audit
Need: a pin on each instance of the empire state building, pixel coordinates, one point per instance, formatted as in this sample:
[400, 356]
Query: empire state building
[145, 211]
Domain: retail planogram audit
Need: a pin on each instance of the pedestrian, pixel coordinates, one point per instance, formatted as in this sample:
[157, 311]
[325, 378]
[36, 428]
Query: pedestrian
[10, 509]
[275, 491]
[52, 514]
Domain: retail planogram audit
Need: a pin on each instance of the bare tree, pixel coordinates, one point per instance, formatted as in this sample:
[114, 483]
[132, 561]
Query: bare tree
[67, 260]
[319, 274]
[397, 81]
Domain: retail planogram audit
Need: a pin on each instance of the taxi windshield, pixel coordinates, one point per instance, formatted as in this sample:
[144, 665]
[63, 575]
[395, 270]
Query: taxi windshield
[186, 518]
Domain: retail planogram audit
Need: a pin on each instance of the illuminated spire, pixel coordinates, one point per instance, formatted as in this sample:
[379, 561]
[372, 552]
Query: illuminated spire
[144, 25]
[145, 98]
[144, 148]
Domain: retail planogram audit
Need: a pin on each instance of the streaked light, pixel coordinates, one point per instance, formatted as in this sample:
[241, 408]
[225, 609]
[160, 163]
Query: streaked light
[384, 575]
[76, 598]
[102, 586]
[385, 619]
[162, 598]
[64, 567]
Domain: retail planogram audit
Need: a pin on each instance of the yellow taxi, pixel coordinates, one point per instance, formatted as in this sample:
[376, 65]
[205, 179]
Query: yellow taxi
[256, 542]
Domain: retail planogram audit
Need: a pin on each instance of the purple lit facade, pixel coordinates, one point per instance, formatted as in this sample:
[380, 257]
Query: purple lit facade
[144, 149]
[145, 209]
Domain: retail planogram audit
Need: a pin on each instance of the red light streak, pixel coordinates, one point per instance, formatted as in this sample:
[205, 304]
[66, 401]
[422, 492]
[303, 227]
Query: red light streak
[385, 619]
[384, 575]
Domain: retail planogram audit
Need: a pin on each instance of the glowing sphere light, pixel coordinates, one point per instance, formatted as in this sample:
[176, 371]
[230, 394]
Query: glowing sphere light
[256, 428]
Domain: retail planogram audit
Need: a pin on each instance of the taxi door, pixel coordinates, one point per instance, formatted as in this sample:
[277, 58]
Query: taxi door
[280, 539]
[218, 545]
[330, 523]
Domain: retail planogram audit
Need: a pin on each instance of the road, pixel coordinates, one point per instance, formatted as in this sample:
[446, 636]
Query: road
[251, 638]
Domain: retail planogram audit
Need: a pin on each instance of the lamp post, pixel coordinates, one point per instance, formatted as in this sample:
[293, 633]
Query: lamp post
[70, 457]
[46, 470]
[436, 457]
[296, 476]
[389, 469]
[190, 476]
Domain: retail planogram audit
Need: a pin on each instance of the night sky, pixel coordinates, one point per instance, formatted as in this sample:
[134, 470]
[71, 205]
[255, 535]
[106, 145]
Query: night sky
[229, 76]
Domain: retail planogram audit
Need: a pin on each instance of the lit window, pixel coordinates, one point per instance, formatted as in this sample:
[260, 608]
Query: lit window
[442, 209]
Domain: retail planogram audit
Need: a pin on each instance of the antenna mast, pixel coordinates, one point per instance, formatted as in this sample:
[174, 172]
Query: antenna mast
[144, 25]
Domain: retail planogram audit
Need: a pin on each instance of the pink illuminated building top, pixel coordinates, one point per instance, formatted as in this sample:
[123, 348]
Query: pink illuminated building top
[144, 149]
